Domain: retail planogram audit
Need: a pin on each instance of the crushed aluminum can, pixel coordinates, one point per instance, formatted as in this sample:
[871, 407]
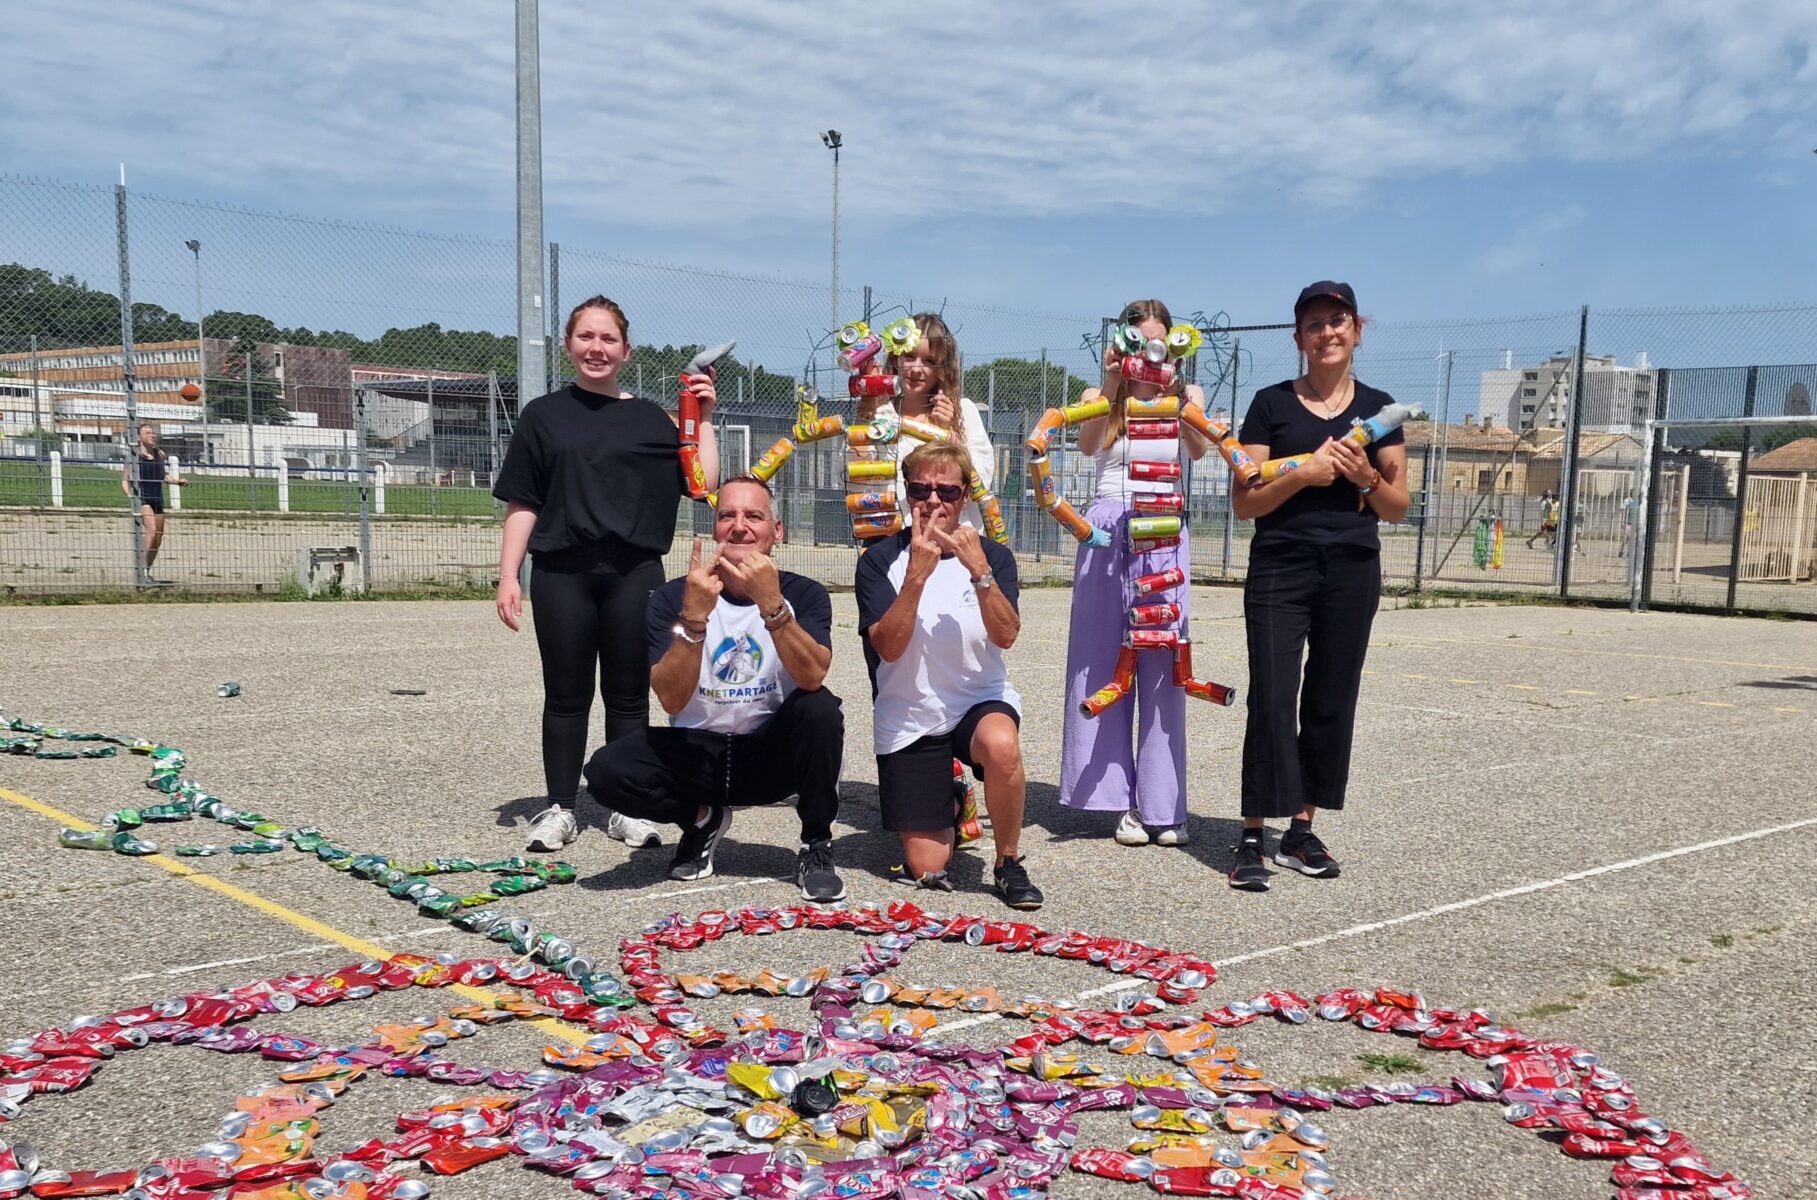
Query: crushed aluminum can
[228, 689]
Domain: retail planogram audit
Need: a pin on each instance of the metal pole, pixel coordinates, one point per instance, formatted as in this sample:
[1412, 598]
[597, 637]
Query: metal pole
[867, 304]
[836, 144]
[359, 418]
[195, 248]
[40, 453]
[1638, 515]
[1567, 522]
[252, 472]
[531, 377]
[492, 427]
[435, 478]
[127, 381]
[555, 308]
[1041, 526]
[1741, 485]
[1230, 479]
[1656, 458]
[1444, 446]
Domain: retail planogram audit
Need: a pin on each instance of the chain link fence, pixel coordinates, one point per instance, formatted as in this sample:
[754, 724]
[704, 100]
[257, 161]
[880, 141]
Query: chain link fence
[338, 396]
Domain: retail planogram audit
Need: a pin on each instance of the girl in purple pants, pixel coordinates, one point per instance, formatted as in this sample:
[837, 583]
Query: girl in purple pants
[1106, 763]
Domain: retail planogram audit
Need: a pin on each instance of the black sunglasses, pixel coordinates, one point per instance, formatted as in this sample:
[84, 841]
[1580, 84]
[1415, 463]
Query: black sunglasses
[949, 492]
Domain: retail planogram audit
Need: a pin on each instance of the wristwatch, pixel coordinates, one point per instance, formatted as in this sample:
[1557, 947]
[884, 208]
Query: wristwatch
[985, 582]
[681, 631]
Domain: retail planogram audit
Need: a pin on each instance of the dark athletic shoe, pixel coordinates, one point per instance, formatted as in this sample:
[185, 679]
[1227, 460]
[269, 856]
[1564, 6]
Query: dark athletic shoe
[815, 875]
[1013, 885]
[1307, 855]
[694, 856]
[1249, 875]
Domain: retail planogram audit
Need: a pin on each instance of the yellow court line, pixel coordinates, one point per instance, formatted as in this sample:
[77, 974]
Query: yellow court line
[1407, 675]
[1578, 692]
[1714, 703]
[1797, 710]
[1526, 687]
[1643, 699]
[1466, 681]
[273, 909]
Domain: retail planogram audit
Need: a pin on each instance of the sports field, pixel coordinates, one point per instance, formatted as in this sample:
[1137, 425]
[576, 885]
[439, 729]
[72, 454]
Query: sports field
[1596, 825]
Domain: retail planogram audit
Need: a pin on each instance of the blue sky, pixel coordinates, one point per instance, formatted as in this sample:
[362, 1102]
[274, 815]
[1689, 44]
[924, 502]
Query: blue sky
[1448, 158]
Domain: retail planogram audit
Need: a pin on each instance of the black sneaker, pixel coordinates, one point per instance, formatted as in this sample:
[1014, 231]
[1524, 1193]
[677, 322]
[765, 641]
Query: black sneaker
[1249, 875]
[694, 856]
[814, 872]
[1014, 887]
[1307, 855]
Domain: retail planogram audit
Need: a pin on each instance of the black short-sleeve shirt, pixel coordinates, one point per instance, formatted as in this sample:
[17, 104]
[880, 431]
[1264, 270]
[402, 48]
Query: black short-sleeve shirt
[1322, 516]
[598, 470]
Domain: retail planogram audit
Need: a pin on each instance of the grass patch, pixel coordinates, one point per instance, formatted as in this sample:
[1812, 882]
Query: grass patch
[1722, 941]
[1553, 1009]
[1393, 1064]
[1621, 977]
[1766, 929]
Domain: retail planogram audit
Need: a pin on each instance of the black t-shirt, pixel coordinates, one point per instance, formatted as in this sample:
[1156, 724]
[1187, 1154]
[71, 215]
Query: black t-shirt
[598, 470]
[1321, 516]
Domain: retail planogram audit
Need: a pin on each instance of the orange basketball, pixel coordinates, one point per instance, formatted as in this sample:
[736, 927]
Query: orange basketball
[190, 391]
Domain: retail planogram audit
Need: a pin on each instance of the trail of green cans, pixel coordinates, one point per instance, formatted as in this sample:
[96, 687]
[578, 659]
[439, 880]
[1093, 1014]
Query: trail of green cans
[125, 830]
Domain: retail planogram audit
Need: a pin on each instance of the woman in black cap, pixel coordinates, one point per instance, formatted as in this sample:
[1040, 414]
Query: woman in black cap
[1314, 581]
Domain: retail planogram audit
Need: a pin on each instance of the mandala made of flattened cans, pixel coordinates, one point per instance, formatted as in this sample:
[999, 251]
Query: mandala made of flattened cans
[869, 1093]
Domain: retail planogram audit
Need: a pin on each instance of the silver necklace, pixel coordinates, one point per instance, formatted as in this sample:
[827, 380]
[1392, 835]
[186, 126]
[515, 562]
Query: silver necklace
[1331, 410]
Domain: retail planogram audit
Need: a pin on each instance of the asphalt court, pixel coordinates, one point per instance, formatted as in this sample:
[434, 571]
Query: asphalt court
[1594, 823]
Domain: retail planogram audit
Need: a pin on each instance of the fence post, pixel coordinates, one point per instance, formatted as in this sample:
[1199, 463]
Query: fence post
[379, 472]
[435, 476]
[1230, 478]
[56, 479]
[1419, 547]
[359, 427]
[38, 430]
[1041, 526]
[1567, 521]
[283, 485]
[176, 493]
[128, 377]
[1741, 484]
[1656, 453]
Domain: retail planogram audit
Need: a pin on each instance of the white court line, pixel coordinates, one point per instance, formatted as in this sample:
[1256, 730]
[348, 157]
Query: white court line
[1427, 914]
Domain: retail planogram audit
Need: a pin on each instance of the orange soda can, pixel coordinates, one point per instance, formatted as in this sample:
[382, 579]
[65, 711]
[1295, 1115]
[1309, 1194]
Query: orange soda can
[1068, 516]
[925, 430]
[864, 470]
[815, 429]
[697, 473]
[1041, 476]
[1274, 468]
[1050, 420]
[1194, 418]
[1241, 465]
[883, 525]
[994, 525]
[867, 502]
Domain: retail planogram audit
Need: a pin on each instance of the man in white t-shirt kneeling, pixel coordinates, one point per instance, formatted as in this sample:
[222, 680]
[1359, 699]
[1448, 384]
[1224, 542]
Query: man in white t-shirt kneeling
[936, 611]
[739, 652]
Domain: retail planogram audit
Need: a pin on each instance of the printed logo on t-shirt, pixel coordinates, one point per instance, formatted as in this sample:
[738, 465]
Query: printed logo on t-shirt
[737, 659]
[969, 597]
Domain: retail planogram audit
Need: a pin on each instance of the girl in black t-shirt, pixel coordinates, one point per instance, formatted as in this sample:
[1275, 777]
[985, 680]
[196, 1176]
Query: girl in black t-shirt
[153, 472]
[1314, 582]
[591, 484]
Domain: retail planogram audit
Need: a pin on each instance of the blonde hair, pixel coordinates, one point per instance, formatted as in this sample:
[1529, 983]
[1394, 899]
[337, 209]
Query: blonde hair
[938, 338]
[1134, 313]
[932, 455]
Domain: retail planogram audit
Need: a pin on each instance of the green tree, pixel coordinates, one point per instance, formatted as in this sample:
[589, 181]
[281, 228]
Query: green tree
[227, 387]
[1770, 438]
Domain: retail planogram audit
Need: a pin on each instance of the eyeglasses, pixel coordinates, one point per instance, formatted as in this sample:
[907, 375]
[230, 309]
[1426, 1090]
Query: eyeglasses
[949, 492]
[1337, 324]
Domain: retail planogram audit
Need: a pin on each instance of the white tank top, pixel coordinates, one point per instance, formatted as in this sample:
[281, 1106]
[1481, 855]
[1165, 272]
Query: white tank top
[1114, 482]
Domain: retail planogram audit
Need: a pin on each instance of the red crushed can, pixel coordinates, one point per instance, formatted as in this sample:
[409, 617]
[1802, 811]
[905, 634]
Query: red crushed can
[1163, 613]
[1172, 577]
[1154, 471]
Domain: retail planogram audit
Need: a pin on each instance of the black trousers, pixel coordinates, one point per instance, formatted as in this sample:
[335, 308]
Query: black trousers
[666, 774]
[1320, 602]
[590, 616]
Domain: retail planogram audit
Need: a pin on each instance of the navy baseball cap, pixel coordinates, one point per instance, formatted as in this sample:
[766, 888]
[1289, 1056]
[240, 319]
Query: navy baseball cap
[1324, 289]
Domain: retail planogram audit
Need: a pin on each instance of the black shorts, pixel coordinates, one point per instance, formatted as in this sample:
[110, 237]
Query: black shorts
[155, 503]
[915, 783]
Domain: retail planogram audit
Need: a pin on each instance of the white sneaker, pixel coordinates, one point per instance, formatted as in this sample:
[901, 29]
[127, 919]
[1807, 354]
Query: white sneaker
[554, 828]
[639, 835]
[1131, 831]
[1173, 835]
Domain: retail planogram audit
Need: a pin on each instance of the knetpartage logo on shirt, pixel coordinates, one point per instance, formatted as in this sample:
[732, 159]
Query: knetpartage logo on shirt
[737, 659]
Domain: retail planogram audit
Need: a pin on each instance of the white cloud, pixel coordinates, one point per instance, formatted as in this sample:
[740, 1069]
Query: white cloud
[681, 115]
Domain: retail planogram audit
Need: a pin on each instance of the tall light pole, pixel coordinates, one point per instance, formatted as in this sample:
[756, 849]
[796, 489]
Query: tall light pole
[833, 141]
[195, 248]
[531, 366]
